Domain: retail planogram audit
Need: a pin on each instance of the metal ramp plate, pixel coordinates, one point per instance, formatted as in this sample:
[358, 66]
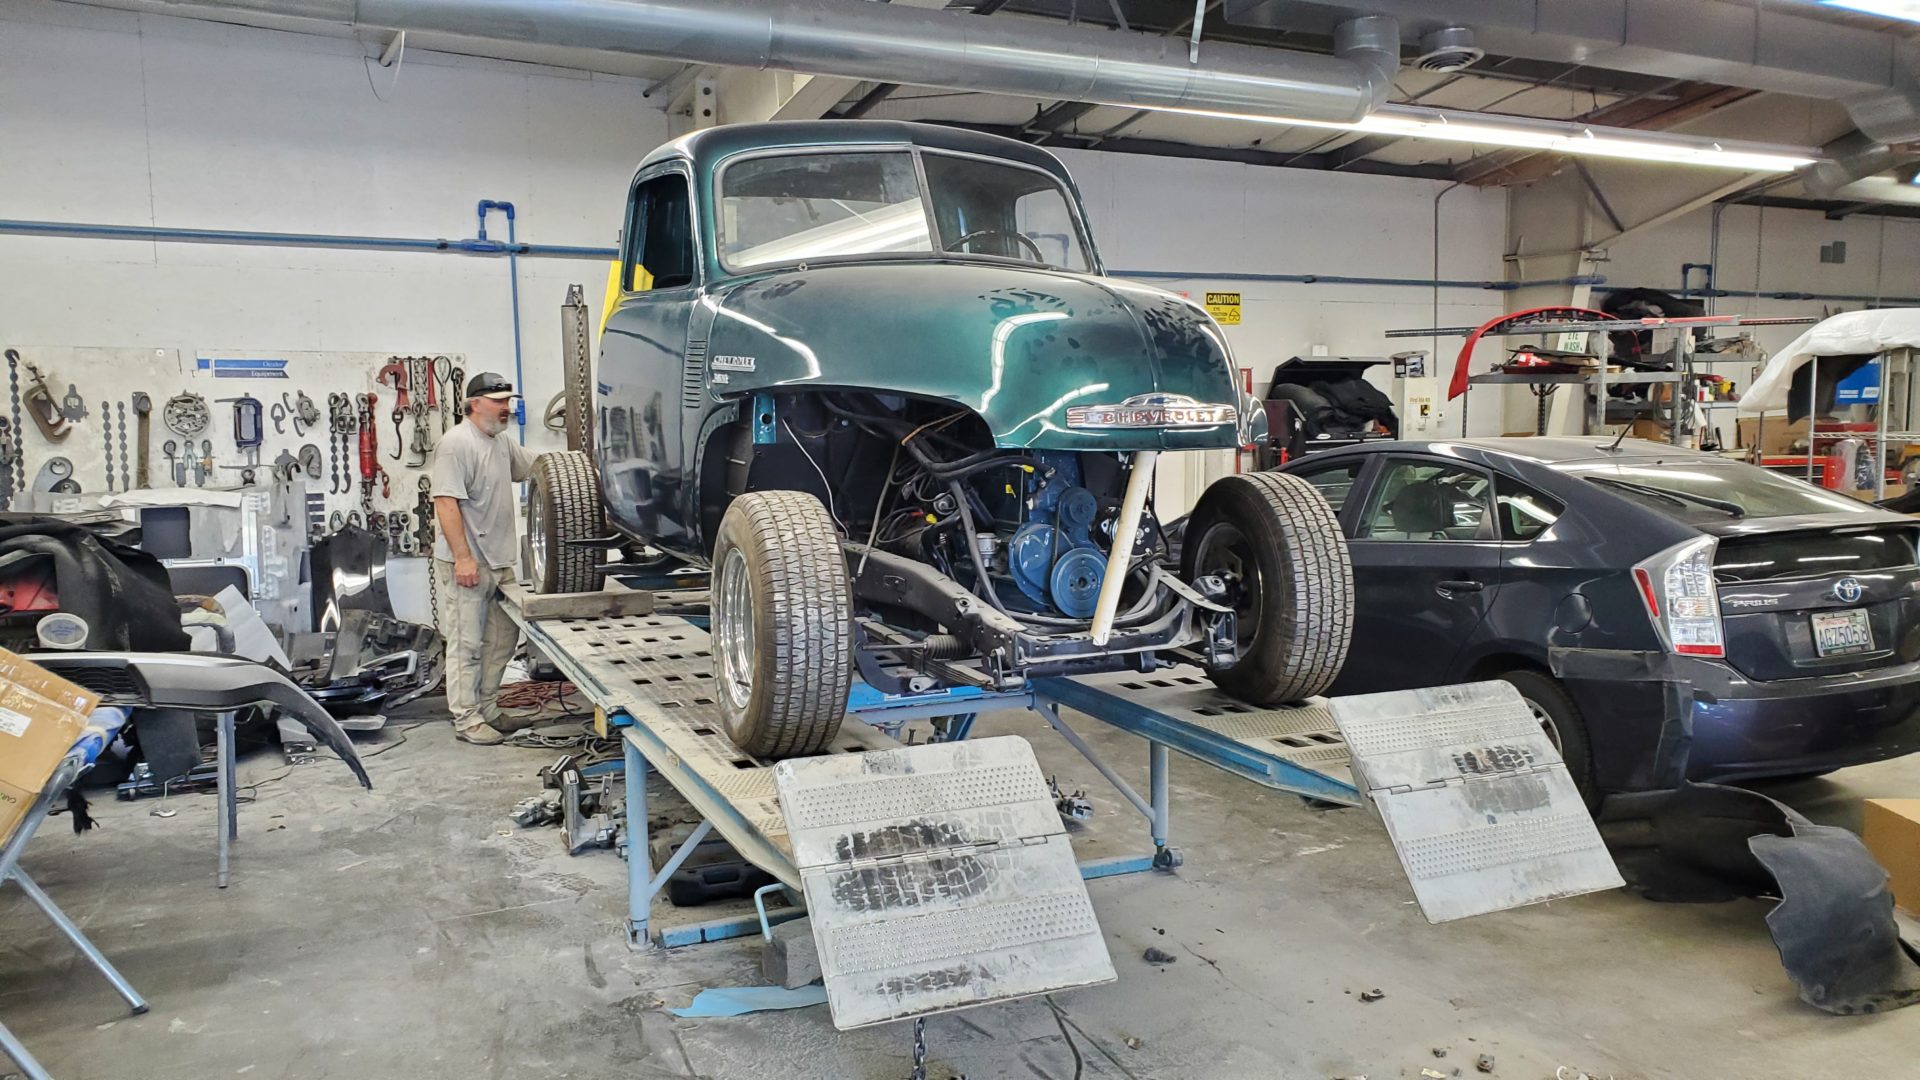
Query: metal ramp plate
[1296, 748]
[658, 670]
[938, 877]
[1477, 802]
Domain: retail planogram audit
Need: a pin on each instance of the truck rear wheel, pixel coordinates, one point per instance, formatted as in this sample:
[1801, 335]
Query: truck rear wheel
[782, 624]
[1278, 545]
[565, 506]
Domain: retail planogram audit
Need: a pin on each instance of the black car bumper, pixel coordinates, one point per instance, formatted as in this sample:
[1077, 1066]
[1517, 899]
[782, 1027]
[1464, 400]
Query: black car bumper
[1655, 718]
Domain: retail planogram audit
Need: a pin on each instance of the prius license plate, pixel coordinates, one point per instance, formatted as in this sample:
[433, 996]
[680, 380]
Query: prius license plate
[1836, 633]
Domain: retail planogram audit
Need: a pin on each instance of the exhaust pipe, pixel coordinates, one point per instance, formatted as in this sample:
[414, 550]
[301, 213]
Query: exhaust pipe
[891, 43]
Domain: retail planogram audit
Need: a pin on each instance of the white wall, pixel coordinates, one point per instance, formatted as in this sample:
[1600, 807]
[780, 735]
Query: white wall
[114, 117]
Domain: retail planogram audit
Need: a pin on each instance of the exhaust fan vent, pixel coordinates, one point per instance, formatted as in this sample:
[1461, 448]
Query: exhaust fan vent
[1448, 49]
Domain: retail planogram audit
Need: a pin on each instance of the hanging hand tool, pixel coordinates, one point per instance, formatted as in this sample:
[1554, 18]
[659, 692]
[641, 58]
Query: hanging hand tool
[456, 378]
[279, 416]
[369, 452]
[423, 511]
[310, 461]
[203, 465]
[40, 405]
[305, 414]
[422, 444]
[442, 374]
[396, 525]
[285, 465]
[339, 413]
[177, 472]
[186, 415]
[395, 376]
[71, 407]
[106, 434]
[247, 433]
[120, 423]
[13, 386]
[398, 438]
[57, 476]
[143, 412]
[6, 463]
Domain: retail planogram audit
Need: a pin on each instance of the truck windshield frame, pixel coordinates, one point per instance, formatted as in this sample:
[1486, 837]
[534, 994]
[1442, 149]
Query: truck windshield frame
[918, 204]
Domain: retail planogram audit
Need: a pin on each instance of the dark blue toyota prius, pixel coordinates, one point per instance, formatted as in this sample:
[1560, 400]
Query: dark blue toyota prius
[1666, 613]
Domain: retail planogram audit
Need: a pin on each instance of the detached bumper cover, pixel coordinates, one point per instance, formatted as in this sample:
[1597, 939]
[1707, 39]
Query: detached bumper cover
[205, 683]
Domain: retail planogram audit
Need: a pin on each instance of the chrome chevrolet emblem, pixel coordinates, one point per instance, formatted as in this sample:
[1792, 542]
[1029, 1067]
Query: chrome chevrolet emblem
[1152, 411]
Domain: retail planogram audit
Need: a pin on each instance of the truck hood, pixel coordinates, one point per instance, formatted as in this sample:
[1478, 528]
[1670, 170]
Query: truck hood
[1050, 360]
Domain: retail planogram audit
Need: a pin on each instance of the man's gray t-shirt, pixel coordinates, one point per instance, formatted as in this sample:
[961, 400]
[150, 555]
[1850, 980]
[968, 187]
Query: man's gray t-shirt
[480, 470]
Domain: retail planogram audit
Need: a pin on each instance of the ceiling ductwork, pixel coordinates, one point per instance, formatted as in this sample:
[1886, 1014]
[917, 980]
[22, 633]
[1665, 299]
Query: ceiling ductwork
[1449, 48]
[893, 43]
[1892, 116]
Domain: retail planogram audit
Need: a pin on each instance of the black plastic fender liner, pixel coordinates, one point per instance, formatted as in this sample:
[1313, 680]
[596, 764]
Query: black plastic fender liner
[1833, 927]
[1834, 924]
[201, 682]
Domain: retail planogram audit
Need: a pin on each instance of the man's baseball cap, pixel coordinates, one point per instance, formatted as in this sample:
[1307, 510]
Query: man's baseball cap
[490, 384]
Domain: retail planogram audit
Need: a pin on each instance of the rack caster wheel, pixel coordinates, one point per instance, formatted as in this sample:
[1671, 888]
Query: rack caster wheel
[1167, 858]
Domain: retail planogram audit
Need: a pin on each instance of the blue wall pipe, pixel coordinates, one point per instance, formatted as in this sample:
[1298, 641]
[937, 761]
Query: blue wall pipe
[513, 276]
[476, 246]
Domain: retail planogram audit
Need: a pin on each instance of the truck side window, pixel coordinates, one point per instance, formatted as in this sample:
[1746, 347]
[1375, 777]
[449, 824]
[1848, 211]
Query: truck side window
[660, 225]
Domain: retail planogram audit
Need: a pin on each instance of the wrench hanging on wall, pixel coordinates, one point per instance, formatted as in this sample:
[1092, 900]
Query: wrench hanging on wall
[143, 411]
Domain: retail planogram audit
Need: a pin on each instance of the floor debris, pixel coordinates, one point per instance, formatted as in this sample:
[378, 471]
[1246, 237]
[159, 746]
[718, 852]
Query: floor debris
[1158, 956]
[1439, 1051]
[739, 1000]
[1372, 995]
[1485, 1064]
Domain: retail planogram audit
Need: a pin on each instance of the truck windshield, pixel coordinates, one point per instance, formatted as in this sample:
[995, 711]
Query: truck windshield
[797, 207]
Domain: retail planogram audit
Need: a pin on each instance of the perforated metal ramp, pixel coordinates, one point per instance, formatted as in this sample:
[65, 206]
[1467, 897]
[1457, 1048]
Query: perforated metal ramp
[1477, 802]
[1296, 748]
[657, 669]
[938, 877]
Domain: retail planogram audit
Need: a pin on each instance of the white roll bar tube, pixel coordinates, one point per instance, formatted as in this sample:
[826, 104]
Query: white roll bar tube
[1120, 556]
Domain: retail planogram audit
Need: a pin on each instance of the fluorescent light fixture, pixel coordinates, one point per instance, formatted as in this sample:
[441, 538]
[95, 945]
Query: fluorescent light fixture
[1904, 10]
[1559, 136]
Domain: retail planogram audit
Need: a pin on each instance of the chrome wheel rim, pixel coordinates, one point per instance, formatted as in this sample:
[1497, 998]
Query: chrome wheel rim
[537, 541]
[733, 631]
[1545, 719]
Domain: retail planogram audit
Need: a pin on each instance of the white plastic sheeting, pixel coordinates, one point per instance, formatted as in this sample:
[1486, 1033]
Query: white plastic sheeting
[1851, 333]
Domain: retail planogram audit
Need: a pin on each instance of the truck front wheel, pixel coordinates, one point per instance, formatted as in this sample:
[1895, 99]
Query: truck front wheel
[782, 624]
[1277, 544]
[565, 506]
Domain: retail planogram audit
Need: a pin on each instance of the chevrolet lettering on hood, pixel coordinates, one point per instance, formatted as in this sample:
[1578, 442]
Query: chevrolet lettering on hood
[1152, 411]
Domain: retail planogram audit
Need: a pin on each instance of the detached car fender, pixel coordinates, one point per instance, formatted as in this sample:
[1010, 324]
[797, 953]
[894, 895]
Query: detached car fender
[206, 683]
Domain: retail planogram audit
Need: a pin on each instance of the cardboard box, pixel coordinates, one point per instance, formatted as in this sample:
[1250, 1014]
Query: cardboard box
[1779, 436]
[36, 731]
[1891, 830]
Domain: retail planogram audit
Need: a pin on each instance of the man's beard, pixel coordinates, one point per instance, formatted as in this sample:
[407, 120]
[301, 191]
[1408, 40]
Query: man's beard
[492, 425]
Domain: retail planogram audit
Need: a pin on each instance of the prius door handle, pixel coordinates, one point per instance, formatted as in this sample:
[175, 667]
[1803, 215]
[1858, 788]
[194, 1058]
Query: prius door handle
[1461, 586]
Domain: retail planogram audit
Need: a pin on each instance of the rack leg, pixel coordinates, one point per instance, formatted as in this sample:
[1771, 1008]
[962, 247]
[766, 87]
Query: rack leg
[10, 1047]
[639, 863]
[1164, 857]
[87, 948]
[223, 781]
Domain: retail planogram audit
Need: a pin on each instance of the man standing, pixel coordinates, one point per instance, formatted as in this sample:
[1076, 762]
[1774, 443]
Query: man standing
[474, 471]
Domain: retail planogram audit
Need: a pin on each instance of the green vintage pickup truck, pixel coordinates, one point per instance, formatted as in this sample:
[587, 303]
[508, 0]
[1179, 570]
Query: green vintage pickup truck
[871, 375]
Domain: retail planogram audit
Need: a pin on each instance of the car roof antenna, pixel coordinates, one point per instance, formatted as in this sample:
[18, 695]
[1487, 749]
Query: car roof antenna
[1618, 439]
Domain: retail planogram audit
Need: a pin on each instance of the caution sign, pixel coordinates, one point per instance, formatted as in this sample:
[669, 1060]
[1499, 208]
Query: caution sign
[1224, 307]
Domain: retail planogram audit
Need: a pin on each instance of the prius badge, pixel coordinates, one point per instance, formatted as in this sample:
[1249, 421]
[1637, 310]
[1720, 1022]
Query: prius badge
[1152, 411]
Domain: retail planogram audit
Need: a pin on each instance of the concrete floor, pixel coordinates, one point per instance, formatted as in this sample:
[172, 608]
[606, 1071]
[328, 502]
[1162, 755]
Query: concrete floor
[412, 932]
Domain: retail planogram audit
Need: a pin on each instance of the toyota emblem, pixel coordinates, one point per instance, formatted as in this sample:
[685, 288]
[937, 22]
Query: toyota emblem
[1848, 590]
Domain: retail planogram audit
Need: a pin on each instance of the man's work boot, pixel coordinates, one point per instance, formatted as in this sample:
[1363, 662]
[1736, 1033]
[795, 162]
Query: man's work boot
[479, 734]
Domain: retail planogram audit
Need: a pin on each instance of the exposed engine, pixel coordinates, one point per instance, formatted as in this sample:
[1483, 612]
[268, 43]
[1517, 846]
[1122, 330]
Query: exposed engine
[1029, 531]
